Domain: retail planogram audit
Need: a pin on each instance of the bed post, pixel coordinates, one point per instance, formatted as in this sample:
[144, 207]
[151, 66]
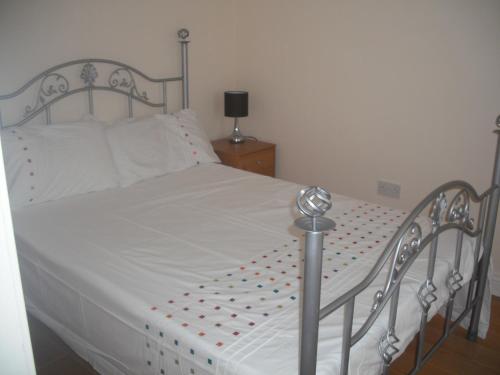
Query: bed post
[489, 232]
[312, 202]
[183, 34]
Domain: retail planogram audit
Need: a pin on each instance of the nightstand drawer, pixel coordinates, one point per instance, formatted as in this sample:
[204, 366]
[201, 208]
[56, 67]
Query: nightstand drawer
[259, 162]
[253, 156]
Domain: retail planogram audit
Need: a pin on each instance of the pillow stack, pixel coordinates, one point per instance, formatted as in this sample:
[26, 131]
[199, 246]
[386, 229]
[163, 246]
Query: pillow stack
[49, 162]
[196, 145]
[44, 163]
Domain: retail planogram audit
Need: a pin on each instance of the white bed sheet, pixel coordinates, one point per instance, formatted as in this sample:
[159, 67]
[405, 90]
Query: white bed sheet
[198, 272]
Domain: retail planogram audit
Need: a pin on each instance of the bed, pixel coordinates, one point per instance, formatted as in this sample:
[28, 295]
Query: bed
[201, 271]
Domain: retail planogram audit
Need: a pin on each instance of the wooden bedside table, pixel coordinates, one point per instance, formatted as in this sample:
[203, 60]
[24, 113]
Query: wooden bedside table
[253, 156]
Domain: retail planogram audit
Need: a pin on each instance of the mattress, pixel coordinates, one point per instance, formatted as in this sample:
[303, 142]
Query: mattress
[199, 272]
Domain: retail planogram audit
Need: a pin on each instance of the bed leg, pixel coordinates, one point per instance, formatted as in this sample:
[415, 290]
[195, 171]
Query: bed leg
[312, 202]
[310, 302]
[489, 232]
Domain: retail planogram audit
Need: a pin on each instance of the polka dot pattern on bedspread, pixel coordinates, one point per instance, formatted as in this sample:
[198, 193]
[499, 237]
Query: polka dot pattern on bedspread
[233, 304]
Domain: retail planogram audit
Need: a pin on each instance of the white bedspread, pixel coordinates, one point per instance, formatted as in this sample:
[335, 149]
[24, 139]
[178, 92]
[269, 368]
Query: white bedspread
[198, 272]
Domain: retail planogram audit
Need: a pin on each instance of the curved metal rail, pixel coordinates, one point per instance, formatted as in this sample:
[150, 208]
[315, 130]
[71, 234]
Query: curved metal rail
[52, 85]
[409, 241]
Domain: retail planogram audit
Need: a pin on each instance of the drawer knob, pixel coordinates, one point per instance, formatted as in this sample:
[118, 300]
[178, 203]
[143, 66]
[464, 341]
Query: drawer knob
[259, 162]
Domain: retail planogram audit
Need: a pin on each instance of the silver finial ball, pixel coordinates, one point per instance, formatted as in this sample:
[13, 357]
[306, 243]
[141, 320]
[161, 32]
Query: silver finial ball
[183, 34]
[314, 201]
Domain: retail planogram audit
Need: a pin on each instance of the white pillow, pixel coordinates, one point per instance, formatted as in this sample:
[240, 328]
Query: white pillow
[144, 148]
[197, 146]
[48, 162]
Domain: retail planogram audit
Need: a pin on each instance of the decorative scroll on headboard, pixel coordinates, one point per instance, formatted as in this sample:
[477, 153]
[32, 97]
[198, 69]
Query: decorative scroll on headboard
[52, 85]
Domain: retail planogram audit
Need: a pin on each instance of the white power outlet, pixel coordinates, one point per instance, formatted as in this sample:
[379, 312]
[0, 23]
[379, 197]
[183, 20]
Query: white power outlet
[389, 189]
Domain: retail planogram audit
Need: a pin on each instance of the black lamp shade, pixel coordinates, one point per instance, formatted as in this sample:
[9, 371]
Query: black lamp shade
[236, 103]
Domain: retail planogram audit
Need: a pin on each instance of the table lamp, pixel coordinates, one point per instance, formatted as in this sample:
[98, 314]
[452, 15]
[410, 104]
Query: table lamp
[236, 105]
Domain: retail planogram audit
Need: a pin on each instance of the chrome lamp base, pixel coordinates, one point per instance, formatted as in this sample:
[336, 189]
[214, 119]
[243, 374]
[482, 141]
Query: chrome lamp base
[236, 136]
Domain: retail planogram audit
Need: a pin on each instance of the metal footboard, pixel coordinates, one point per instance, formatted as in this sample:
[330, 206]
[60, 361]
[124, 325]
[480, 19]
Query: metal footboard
[406, 245]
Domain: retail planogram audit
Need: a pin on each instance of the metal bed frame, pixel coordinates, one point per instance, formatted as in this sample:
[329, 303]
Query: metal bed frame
[53, 86]
[407, 243]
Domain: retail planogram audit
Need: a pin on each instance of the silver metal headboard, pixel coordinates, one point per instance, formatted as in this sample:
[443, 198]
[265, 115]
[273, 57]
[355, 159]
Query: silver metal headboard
[53, 86]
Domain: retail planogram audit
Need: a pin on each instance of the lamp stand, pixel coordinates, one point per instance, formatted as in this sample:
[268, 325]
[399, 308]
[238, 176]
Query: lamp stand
[237, 137]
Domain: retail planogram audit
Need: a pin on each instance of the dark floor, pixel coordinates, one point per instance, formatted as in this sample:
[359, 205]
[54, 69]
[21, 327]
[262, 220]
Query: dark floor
[457, 357]
[52, 355]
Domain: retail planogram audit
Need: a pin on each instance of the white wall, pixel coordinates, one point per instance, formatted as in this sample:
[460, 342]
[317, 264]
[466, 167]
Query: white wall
[356, 91]
[36, 34]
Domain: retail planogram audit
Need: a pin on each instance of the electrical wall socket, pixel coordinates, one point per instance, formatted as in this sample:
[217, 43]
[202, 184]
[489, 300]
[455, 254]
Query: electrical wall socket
[389, 189]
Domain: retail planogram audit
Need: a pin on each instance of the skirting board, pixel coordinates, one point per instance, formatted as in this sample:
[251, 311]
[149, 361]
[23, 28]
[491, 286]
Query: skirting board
[495, 284]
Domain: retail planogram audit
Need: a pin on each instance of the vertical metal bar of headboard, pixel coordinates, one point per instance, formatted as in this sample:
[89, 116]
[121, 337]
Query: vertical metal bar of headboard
[47, 115]
[183, 34]
[91, 100]
[489, 231]
[130, 110]
[164, 88]
[1, 121]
